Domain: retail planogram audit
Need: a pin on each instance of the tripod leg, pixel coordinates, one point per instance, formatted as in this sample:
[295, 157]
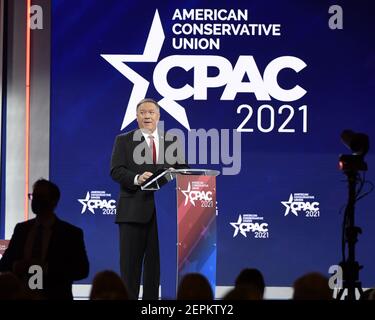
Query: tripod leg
[360, 291]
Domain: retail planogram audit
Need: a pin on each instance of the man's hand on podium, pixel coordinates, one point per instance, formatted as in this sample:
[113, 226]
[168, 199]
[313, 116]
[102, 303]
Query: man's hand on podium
[144, 176]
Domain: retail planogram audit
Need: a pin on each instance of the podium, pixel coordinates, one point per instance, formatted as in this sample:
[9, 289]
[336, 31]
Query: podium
[191, 195]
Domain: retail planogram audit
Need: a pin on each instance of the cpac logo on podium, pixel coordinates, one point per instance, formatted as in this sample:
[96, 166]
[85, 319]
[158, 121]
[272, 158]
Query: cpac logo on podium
[245, 224]
[301, 202]
[93, 201]
[264, 87]
[191, 195]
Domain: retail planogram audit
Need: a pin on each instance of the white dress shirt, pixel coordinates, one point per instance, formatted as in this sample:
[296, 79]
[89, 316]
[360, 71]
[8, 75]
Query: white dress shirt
[146, 135]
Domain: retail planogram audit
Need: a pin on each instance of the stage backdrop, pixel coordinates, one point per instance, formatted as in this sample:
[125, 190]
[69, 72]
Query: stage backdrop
[272, 82]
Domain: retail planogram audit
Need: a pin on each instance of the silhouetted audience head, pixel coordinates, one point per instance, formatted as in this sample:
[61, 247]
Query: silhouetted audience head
[194, 286]
[242, 293]
[45, 196]
[11, 288]
[312, 286]
[253, 281]
[107, 285]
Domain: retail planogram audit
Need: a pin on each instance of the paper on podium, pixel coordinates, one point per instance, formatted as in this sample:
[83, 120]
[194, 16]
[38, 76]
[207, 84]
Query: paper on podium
[164, 175]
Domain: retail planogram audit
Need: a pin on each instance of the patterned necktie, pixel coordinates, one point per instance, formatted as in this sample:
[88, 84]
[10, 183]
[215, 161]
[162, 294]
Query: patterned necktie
[153, 148]
[37, 248]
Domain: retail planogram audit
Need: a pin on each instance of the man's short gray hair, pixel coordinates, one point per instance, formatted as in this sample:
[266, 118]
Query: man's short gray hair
[148, 100]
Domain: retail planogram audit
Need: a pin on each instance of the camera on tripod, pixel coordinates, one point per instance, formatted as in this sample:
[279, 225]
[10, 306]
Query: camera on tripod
[358, 143]
[351, 164]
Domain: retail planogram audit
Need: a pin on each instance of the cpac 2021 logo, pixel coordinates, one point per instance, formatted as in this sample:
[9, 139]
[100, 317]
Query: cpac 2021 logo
[302, 202]
[194, 193]
[251, 223]
[98, 200]
[230, 77]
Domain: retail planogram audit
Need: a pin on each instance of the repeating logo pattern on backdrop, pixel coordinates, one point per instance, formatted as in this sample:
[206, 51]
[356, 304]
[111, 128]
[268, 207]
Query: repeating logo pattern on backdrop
[302, 203]
[252, 224]
[95, 201]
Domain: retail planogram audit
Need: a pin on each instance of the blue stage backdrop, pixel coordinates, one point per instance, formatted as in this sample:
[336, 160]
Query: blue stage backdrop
[283, 77]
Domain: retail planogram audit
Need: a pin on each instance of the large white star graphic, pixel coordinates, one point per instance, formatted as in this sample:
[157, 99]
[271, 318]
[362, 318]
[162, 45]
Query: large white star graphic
[287, 204]
[84, 204]
[151, 53]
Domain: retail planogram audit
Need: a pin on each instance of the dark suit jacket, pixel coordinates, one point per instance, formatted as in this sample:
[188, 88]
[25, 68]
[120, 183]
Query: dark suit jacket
[66, 257]
[135, 205]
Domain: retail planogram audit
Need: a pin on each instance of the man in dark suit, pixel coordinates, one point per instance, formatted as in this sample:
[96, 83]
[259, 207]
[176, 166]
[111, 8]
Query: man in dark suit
[136, 156]
[54, 245]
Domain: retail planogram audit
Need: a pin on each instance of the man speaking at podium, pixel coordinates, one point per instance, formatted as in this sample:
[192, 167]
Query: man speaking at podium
[136, 212]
